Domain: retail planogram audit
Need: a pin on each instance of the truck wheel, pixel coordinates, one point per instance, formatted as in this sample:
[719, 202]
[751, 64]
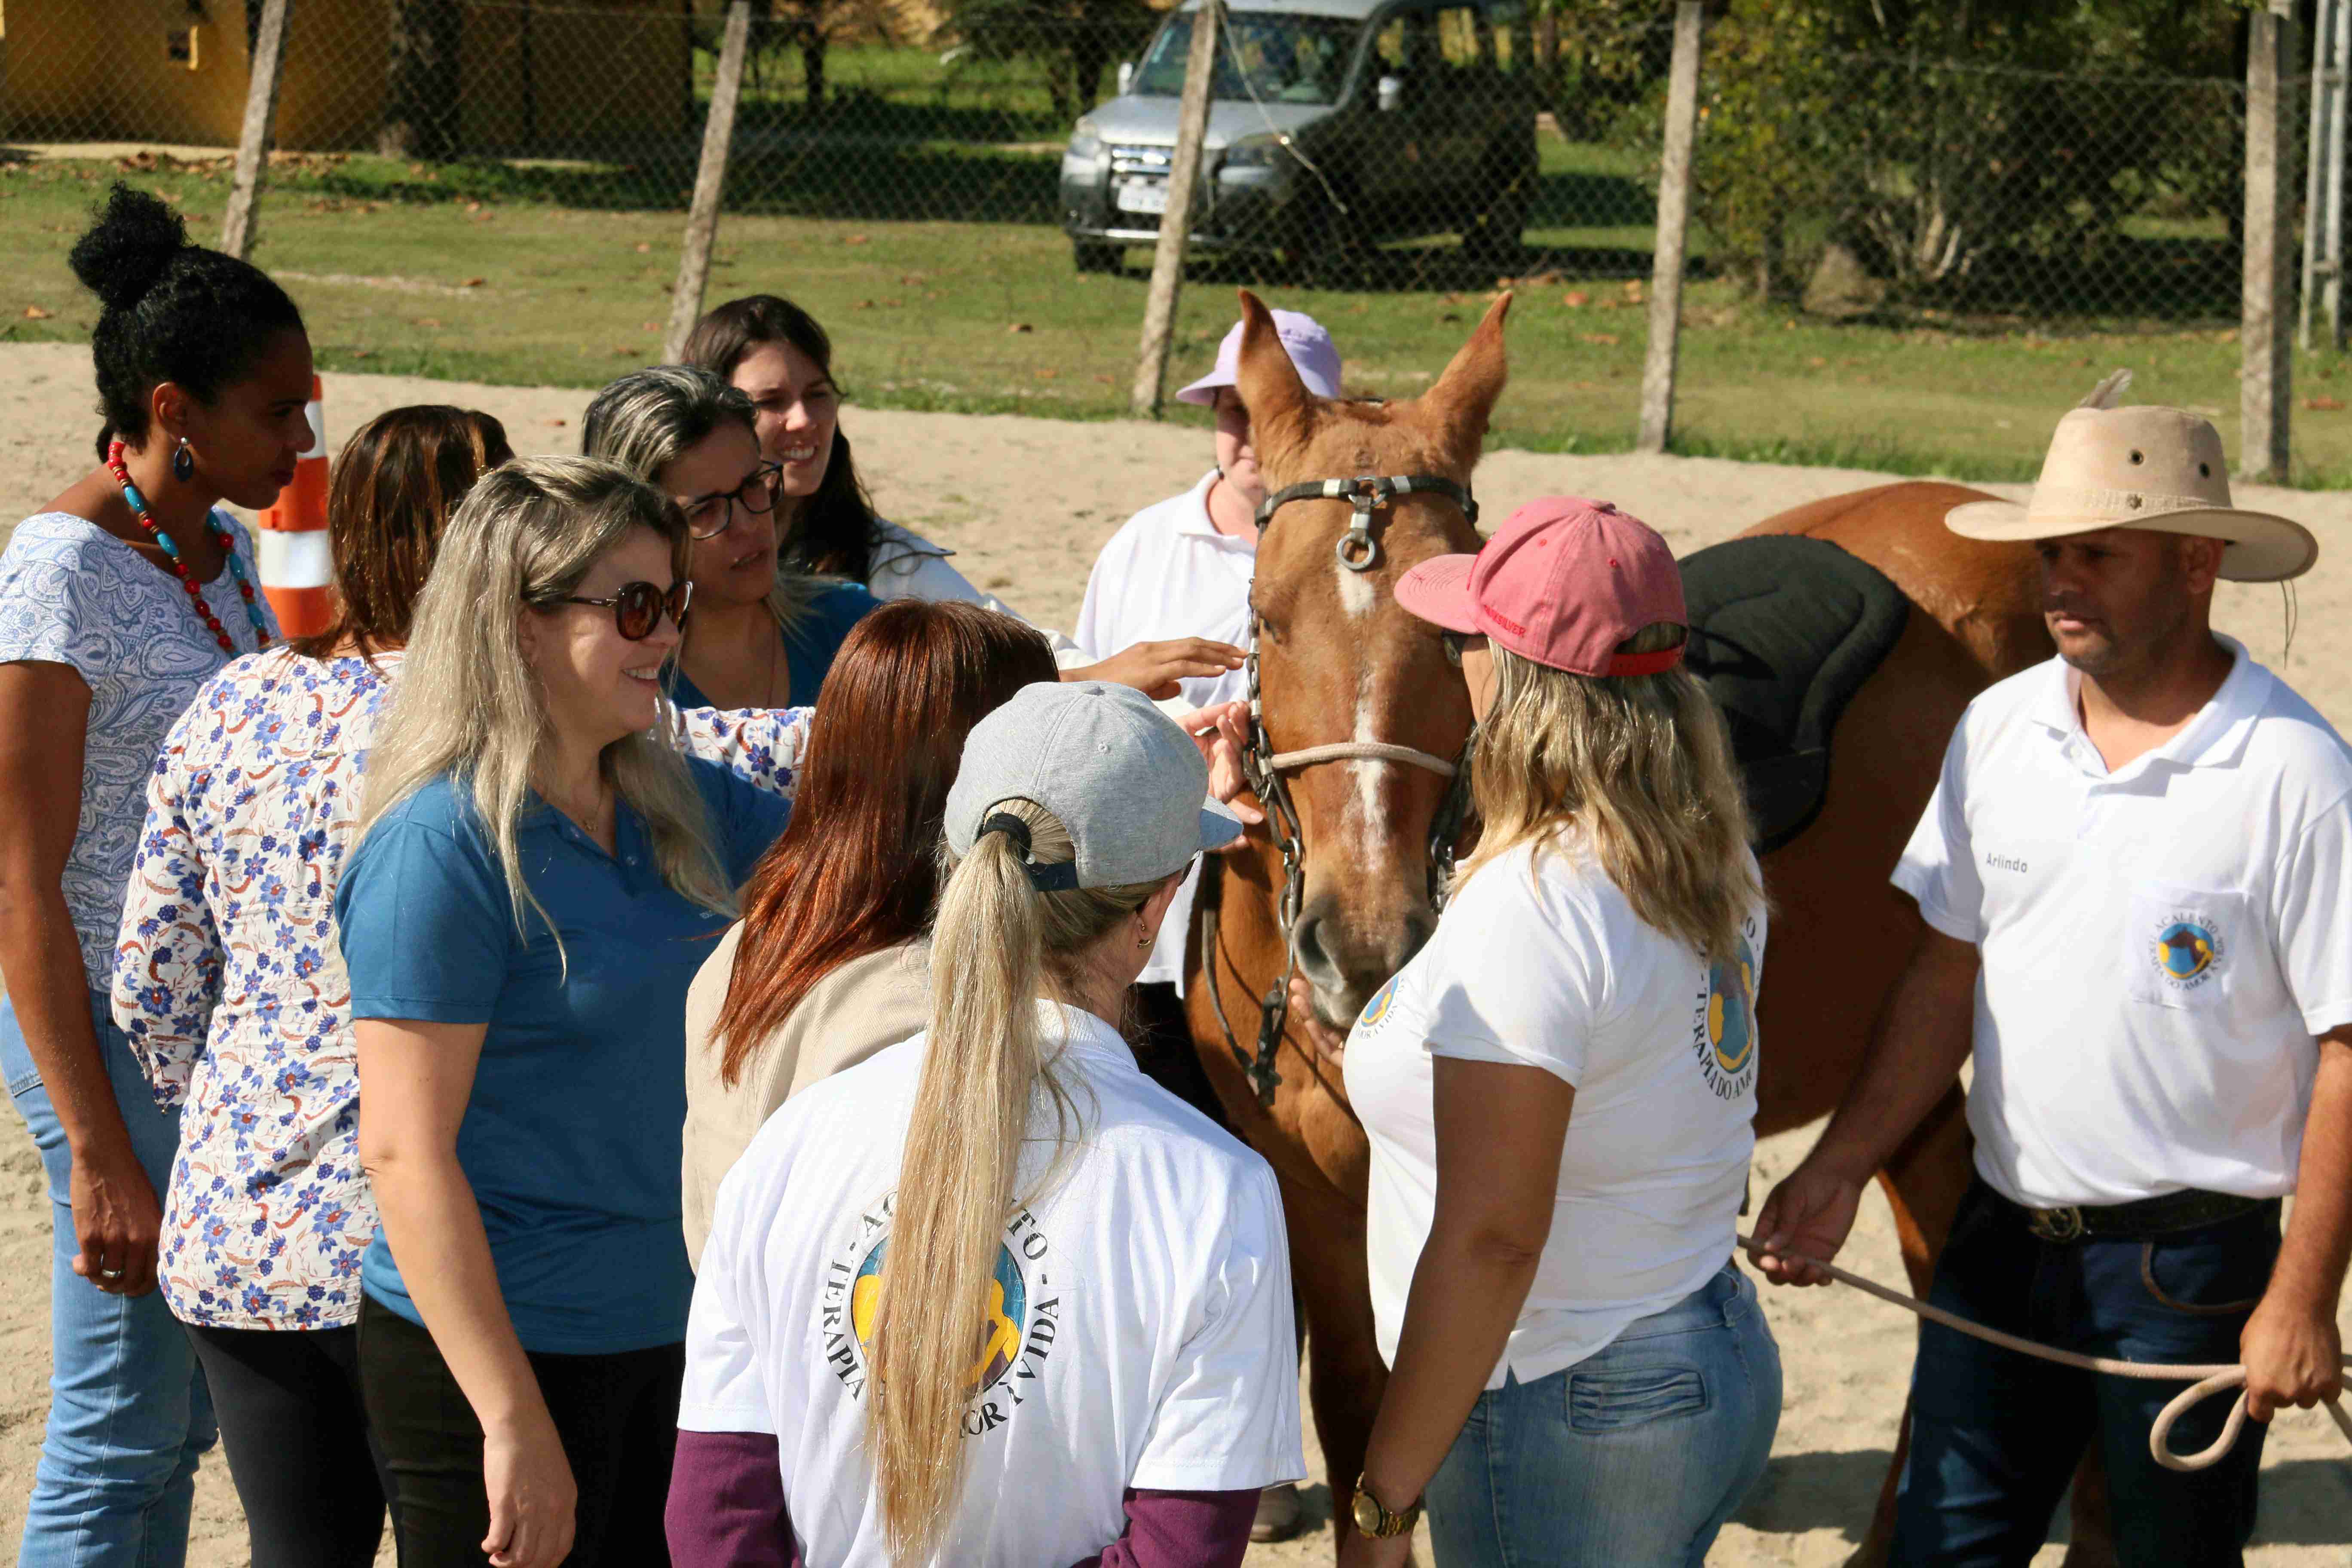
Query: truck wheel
[1093, 255]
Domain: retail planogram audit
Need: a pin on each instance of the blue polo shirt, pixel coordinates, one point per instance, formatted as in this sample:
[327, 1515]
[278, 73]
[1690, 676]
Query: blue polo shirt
[809, 646]
[571, 1139]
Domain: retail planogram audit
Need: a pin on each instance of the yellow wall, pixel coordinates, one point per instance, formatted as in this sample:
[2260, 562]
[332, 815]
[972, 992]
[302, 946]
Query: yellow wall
[98, 70]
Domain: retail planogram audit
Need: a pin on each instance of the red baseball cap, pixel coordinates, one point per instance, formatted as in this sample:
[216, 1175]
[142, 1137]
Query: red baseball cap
[1562, 582]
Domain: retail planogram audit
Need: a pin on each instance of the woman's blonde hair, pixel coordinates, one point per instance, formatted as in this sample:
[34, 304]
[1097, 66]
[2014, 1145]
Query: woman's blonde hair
[997, 944]
[649, 419]
[467, 703]
[1639, 769]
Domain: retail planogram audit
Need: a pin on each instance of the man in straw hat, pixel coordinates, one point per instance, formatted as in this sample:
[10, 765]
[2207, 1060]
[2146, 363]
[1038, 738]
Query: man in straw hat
[2137, 878]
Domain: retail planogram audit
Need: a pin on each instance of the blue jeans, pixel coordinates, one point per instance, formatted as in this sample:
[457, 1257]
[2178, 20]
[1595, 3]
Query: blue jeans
[1632, 1457]
[1996, 1436]
[127, 1412]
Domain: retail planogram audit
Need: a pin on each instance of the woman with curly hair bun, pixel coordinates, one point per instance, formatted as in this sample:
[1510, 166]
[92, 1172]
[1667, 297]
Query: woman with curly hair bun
[117, 601]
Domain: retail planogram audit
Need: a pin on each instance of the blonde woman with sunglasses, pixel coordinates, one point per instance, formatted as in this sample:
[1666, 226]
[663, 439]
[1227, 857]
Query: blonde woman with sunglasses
[537, 876]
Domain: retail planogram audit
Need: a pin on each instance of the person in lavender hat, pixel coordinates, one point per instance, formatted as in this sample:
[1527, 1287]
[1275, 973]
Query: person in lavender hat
[1182, 568]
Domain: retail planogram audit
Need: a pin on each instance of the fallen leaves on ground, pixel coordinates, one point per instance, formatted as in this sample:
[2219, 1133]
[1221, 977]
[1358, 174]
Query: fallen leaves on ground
[34, 313]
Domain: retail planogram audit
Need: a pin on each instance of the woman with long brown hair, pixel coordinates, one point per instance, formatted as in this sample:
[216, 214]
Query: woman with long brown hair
[1007, 1184]
[829, 964]
[781, 358]
[230, 986]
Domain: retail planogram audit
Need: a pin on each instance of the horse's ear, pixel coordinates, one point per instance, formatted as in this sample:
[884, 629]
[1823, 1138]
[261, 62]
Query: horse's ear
[1269, 384]
[1463, 398]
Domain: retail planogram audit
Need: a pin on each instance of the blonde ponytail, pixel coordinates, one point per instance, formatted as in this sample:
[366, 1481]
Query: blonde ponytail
[997, 945]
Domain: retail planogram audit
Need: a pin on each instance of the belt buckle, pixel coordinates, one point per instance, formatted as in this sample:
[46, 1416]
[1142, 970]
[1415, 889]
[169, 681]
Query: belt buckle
[2061, 1224]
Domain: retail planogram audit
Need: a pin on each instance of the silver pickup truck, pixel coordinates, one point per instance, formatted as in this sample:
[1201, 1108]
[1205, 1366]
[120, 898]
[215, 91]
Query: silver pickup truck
[1335, 124]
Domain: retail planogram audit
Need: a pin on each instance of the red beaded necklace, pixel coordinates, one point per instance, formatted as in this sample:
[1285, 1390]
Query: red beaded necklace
[180, 568]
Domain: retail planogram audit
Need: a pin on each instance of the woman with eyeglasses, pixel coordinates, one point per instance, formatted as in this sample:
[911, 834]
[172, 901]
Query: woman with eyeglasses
[537, 877]
[764, 632]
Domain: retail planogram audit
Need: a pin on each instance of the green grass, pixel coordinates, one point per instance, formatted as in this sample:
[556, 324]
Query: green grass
[573, 289]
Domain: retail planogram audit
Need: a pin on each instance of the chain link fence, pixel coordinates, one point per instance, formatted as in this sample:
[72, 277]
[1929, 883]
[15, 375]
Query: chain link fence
[1360, 151]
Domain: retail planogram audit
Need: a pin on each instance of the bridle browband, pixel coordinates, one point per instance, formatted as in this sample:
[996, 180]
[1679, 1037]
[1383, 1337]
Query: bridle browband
[1359, 550]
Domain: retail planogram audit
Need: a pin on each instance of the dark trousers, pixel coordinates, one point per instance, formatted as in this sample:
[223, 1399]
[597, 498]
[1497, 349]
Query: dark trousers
[1996, 1436]
[616, 1414]
[298, 1447]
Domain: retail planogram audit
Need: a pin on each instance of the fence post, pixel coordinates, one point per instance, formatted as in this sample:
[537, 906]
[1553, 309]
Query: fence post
[2266, 374]
[266, 68]
[709, 181]
[1176, 222]
[1674, 221]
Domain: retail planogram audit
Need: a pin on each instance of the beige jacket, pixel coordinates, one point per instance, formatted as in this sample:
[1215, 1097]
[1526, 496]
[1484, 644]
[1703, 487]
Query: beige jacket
[854, 1012]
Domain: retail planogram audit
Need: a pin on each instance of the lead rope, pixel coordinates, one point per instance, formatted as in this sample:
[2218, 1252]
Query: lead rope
[2205, 1380]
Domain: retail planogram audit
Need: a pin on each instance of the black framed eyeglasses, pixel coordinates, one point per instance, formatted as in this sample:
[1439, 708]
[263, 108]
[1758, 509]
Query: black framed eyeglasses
[707, 516]
[1454, 642]
[638, 607]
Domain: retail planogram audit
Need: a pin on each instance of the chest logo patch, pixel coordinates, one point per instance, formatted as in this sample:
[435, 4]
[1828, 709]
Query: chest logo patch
[2189, 952]
[1723, 1028]
[1021, 1320]
[1378, 1009]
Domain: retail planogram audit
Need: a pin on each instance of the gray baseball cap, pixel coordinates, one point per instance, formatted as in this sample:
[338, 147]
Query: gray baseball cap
[1129, 784]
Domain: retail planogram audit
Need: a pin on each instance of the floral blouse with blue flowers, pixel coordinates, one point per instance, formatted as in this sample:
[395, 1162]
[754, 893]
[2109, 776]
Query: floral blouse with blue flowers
[229, 980]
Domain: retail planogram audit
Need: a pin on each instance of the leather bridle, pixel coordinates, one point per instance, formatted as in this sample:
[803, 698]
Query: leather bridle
[1359, 550]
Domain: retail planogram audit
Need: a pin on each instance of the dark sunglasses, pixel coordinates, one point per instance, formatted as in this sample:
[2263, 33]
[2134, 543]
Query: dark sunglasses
[707, 516]
[638, 608]
[1454, 642]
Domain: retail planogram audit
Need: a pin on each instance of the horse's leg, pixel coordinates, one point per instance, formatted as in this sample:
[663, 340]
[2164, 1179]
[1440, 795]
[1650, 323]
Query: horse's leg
[1344, 1375]
[1923, 1182]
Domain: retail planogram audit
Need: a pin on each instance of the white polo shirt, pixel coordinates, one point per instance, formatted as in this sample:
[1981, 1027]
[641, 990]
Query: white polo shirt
[1168, 573]
[1140, 1313]
[2161, 944]
[1540, 961]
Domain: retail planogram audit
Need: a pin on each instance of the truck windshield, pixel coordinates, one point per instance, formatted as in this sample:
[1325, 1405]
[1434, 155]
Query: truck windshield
[1290, 59]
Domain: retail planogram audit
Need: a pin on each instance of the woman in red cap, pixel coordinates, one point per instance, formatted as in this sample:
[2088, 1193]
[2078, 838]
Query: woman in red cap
[1560, 1089]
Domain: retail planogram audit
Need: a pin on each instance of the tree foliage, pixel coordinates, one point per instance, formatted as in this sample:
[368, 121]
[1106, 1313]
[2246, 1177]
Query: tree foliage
[1073, 42]
[1939, 140]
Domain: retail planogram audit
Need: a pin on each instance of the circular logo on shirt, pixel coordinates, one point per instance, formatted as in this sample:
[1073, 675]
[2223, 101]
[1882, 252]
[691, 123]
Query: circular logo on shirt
[2186, 949]
[1379, 1007]
[1723, 1031]
[1000, 1329]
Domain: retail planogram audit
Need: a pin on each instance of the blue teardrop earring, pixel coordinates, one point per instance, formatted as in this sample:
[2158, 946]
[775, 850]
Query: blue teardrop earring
[183, 462]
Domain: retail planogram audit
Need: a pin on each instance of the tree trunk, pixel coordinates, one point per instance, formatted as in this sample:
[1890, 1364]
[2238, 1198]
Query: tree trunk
[420, 102]
[813, 46]
[1090, 53]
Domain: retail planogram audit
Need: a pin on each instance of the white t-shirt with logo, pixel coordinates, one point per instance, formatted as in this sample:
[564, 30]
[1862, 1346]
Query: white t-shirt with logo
[2160, 944]
[1168, 573]
[1541, 961]
[1139, 1317]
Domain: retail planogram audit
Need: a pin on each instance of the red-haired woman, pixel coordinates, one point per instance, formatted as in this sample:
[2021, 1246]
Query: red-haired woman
[829, 964]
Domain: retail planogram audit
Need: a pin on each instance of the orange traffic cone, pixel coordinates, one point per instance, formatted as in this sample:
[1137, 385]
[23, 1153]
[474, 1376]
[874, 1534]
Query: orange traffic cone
[297, 568]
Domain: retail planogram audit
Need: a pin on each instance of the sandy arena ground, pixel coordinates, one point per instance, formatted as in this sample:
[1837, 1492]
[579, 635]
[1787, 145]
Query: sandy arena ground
[1847, 1358]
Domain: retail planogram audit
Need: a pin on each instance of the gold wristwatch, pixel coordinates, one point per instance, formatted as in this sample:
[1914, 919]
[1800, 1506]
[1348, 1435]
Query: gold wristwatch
[1374, 1520]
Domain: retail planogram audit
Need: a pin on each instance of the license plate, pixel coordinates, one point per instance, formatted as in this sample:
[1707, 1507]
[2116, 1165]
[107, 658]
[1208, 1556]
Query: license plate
[1143, 196]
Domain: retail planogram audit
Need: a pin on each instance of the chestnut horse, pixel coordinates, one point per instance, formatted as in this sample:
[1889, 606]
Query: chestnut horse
[1342, 667]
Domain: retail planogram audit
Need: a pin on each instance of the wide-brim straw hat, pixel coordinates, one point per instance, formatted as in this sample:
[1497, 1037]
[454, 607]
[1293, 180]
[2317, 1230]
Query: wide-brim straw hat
[2159, 468]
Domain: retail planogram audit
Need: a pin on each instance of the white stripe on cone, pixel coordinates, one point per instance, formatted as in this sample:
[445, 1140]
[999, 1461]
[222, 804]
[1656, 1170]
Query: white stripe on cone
[304, 560]
[318, 418]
